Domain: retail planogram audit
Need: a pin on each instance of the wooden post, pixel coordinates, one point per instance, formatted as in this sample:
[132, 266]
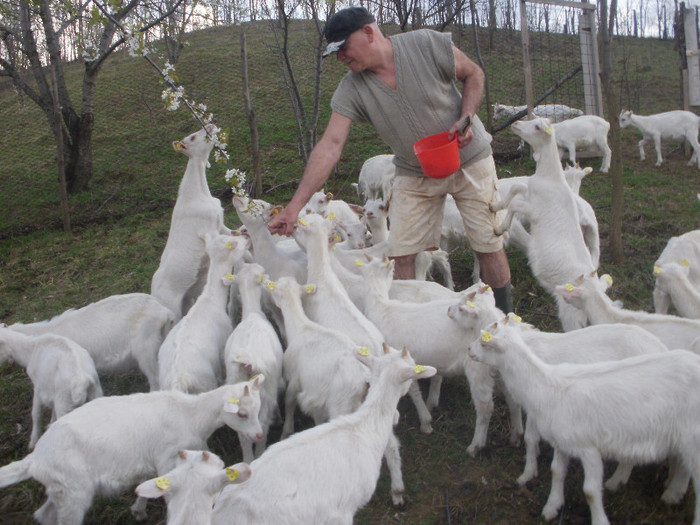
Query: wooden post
[529, 97]
[589, 60]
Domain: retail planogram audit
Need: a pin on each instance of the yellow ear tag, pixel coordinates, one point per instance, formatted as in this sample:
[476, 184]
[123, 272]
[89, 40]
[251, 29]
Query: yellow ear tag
[363, 351]
[388, 263]
[685, 262]
[488, 288]
[548, 130]
[254, 377]
[608, 279]
[517, 319]
[302, 222]
[310, 289]
[470, 304]
[358, 262]
[271, 285]
[232, 474]
[229, 245]
[587, 170]
[331, 215]
[234, 400]
[261, 278]
[336, 238]
[275, 211]
[419, 368]
[569, 287]
[657, 270]
[486, 336]
[162, 483]
[228, 276]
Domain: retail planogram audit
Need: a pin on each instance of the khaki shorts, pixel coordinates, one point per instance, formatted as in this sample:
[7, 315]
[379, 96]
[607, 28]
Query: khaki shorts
[417, 205]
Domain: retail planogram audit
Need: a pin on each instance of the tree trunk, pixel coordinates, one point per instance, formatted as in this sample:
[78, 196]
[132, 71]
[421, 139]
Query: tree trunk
[610, 95]
[252, 120]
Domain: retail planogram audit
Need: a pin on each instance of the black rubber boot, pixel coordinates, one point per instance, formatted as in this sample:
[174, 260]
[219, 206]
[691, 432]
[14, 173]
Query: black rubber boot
[504, 298]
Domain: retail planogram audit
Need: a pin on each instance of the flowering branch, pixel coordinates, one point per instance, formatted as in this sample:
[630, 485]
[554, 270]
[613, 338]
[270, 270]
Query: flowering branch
[174, 94]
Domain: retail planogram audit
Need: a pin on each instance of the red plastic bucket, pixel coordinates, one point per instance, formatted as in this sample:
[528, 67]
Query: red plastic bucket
[438, 155]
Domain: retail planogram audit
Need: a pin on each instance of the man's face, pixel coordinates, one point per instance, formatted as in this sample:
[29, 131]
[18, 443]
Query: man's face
[353, 52]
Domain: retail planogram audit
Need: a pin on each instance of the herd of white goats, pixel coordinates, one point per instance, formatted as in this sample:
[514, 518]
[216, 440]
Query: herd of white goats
[237, 320]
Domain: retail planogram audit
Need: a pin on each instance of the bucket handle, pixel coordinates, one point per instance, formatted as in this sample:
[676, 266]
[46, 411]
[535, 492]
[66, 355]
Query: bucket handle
[463, 127]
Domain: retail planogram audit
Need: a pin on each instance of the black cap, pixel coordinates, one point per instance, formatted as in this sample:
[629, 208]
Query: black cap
[342, 24]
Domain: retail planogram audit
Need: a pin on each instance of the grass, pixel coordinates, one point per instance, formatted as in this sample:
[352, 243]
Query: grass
[120, 227]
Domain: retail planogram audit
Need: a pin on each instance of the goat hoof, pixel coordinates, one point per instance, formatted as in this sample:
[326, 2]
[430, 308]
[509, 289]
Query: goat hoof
[473, 449]
[397, 499]
[139, 515]
[426, 428]
[671, 498]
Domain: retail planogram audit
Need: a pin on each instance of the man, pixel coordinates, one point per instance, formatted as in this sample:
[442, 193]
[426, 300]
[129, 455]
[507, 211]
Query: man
[405, 86]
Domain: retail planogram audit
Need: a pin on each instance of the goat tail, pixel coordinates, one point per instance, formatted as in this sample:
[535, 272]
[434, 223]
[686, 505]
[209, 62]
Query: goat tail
[15, 472]
[79, 391]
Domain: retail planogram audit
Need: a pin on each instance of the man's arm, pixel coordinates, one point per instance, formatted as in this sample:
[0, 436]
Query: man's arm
[472, 78]
[322, 160]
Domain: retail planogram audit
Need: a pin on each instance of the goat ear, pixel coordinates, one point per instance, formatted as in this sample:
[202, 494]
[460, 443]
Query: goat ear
[232, 406]
[238, 473]
[567, 291]
[357, 209]
[257, 380]
[423, 371]
[606, 280]
[150, 489]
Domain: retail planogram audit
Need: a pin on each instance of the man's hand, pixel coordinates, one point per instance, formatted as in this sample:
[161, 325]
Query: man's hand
[463, 129]
[284, 222]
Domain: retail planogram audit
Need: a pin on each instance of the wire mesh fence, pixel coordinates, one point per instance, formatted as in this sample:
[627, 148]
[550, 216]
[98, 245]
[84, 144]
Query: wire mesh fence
[133, 131]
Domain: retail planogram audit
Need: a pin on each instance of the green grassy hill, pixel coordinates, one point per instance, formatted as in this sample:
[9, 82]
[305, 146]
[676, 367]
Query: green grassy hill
[120, 227]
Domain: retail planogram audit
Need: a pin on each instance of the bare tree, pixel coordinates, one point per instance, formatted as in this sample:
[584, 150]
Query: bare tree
[307, 121]
[31, 35]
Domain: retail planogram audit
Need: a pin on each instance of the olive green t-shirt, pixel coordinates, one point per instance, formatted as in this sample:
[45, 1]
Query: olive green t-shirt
[426, 100]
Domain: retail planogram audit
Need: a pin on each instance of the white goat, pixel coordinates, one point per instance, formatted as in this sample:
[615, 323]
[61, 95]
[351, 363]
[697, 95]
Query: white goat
[62, 372]
[180, 275]
[376, 177]
[191, 358]
[325, 474]
[192, 486]
[277, 259]
[518, 234]
[376, 214]
[557, 252]
[414, 326]
[120, 332]
[591, 344]
[682, 249]
[670, 125]
[112, 443]
[254, 348]
[331, 305]
[674, 280]
[404, 289]
[335, 209]
[636, 410]
[322, 374]
[588, 294]
[586, 131]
